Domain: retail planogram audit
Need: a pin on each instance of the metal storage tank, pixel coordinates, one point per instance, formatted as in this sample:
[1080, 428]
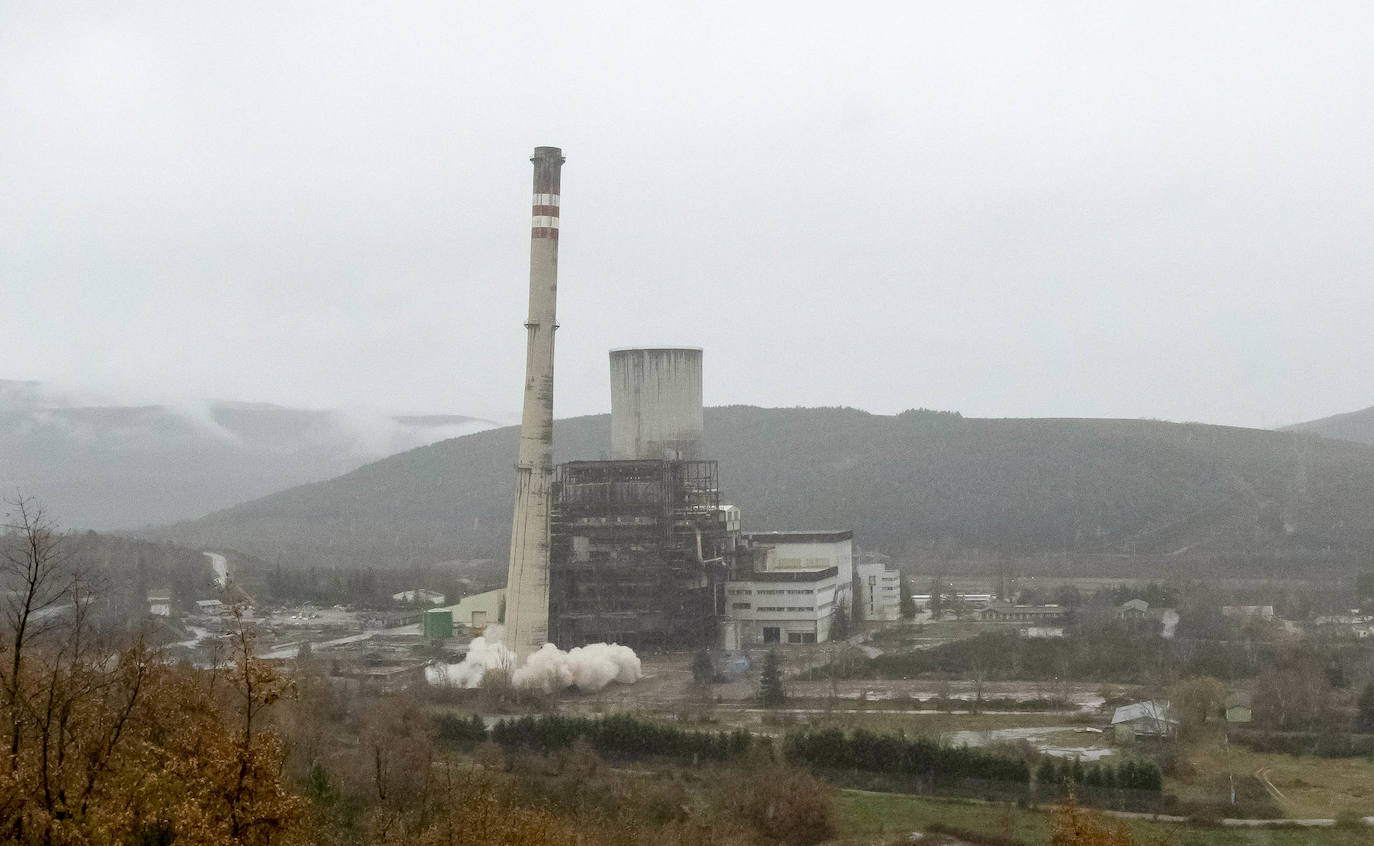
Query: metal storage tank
[438, 624]
[656, 403]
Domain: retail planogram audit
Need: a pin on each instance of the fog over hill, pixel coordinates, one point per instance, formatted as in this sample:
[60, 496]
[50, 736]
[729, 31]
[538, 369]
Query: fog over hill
[1352, 426]
[904, 483]
[121, 466]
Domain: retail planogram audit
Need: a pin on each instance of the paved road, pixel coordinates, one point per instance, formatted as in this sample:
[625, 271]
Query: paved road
[1237, 823]
[1263, 775]
[220, 565]
[1132, 815]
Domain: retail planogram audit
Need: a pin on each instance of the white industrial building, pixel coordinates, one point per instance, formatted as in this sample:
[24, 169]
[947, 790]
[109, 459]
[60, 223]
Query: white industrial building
[880, 592]
[797, 582]
[419, 596]
[479, 610]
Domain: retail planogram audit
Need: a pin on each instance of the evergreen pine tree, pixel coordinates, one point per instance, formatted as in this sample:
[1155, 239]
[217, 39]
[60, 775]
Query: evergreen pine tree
[1151, 778]
[703, 670]
[1364, 721]
[839, 623]
[1126, 776]
[1092, 776]
[1044, 773]
[1063, 772]
[771, 693]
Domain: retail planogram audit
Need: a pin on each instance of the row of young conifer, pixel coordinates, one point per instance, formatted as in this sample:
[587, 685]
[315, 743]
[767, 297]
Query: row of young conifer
[627, 736]
[1128, 775]
[616, 735]
[890, 753]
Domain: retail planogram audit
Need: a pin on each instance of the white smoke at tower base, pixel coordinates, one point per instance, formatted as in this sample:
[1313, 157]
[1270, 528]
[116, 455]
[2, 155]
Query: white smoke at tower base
[484, 653]
[550, 669]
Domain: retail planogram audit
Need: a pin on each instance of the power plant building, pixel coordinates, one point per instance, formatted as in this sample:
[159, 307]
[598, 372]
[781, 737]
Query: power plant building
[643, 552]
[640, 544]
[879, 589]
[639, 549]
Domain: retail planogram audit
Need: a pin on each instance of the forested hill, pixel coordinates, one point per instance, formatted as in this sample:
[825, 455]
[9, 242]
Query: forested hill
[902, 482]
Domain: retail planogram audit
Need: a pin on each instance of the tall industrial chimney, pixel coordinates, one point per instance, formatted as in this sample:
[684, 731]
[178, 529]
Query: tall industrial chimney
[656, 403]
[527, 580]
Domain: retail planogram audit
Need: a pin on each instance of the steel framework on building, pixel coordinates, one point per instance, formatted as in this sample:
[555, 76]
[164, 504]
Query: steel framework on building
[638, 553]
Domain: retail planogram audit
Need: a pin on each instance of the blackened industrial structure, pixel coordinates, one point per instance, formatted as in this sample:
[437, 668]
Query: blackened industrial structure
[640, 546]
[638, 552]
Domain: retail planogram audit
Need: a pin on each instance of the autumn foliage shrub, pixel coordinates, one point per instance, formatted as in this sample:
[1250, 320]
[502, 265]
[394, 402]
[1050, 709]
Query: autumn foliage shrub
[783, 804]
[1071, 825]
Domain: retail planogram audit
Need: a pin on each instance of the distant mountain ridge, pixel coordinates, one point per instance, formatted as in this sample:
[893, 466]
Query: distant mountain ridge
[904, 482]
[122, 466]
[1355, 426]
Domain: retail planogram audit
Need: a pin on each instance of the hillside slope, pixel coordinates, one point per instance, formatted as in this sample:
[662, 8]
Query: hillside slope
[1355, 426]
[901, 482]
[108, 466]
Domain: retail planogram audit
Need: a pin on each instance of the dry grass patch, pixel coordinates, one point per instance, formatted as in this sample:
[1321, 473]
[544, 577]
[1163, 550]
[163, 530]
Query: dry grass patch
[868, 818]
[1311, 788]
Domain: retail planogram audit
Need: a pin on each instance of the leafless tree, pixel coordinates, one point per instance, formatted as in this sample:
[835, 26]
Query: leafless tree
[979, 671]
[38, 584]
[50, 675]
[105, 741]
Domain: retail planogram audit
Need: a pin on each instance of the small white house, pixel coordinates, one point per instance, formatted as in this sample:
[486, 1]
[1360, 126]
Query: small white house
[1144, 719]
[1248, 612]
[1132, 609]
[1239, 708]
[160, 605]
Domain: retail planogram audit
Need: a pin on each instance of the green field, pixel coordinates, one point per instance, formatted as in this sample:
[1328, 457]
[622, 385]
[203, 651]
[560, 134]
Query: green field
[890, 818]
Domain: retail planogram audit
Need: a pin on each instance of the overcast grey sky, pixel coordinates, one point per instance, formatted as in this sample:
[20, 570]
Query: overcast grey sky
[1063, 209]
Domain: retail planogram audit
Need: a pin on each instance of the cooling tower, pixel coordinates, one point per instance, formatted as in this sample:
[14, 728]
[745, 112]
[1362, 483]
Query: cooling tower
[527, 579]
[656, 403]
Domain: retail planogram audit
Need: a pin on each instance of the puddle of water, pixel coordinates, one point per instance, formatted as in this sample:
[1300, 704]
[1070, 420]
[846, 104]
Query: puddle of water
[1040, 738]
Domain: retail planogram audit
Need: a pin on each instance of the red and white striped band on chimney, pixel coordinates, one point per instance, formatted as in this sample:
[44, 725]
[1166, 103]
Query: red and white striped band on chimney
[544, 223]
